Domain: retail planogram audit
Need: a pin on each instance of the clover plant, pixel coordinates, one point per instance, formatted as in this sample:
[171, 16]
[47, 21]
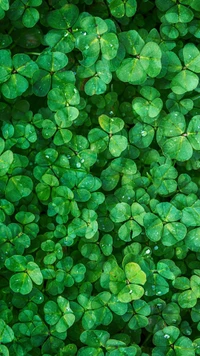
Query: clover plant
[99, 177]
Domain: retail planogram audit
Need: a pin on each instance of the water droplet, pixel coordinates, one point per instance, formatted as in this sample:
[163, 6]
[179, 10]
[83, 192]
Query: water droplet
[82, 160]
[111, 113]
[148, 251]
[66, 34]
[166, 336]
[86, 47]
[84, 33]
[155, 247]
[143, 133]
[78, 165]
[130, 292]
[47, 156]
[111, 45]
[158, 293]
[188, 332]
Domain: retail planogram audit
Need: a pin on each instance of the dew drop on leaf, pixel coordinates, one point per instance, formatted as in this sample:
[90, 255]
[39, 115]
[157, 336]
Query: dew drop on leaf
[166, 336]
[143, 133]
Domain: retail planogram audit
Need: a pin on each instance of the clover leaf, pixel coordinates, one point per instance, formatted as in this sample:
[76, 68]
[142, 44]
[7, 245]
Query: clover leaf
[99, 184]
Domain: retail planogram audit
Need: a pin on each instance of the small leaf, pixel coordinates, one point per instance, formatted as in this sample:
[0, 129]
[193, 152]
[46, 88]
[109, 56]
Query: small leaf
[21, 283]
[64, 17]
[6, 335]
[18, 187]
[111, 125]
[178, 148]
[15, 86]
[184, 82]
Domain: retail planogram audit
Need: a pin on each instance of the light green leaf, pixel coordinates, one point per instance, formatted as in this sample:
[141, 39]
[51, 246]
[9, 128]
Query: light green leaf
[18, 187]
[111, 124]
[178, 148]
[15, 86]
[109, 45]
[21, 283]
[6, 335]
[132, 71]
[184, 82]
[150, 59]
[6, 160]
[192, 240]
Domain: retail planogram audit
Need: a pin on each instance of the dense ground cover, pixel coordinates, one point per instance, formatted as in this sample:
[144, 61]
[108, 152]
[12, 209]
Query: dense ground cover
[99, 177]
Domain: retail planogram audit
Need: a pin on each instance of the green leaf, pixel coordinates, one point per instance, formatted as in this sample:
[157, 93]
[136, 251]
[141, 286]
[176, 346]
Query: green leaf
[6, 160]
[15, 86]
[52, 312]
[184, 82]
[121, 212]
[192, 240]
[150, 59]
[5, 65]
[134, 273]
[41, 82]
[90, 48]
[64, 17]
[187, 299]
[95, 86]
[117, 145]
[52, 61]
[6, 334]
[62, 136]
[153, 227]
[30, 17]
[4, 4]
[191, 57]
[24, 65]
[129, 230]
[183, 345]
[141, 135]
[179, 13]
[21, 283]
[178, 148]
[173, 124]
[111, 125]
[130, 292]
[168, 269]
[61, 40]
[132, 42]
[18, 187]
[132, 71]
[16, 263]
[193, 132]
[34, 272]
[173, 233]
[109, 45]
[166, 337]
[168, 212]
